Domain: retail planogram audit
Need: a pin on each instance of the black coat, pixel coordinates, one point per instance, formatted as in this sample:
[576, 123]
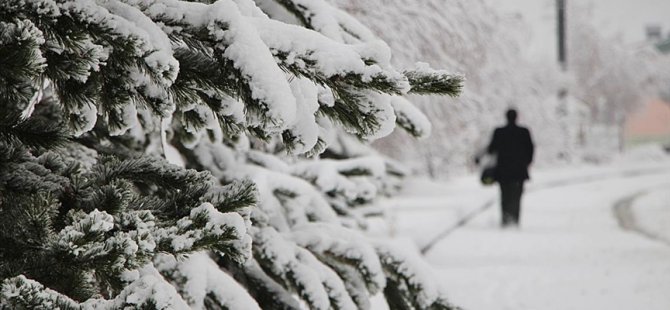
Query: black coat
[514, 149]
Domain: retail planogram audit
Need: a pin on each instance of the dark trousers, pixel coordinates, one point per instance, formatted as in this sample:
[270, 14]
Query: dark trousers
[510, 201]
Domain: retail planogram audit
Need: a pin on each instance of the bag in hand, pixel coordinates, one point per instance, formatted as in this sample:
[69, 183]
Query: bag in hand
[488, 163]
[488, 175]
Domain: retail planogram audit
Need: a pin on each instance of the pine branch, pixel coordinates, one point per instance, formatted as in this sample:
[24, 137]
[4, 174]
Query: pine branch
[305, 66]
[151, 171]
[21, 61]
[410, 118]
[233, 197]
[426, 81]
[23, 293]
[267, 293]
[32, 132]
[206, 228]
[348, 112]
[404, 290]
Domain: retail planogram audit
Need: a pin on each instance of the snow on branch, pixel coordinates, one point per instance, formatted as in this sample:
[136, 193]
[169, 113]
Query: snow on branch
[222, 26]
[339, 245]
[332, 22]
[313, 55]
[346, 183]
[147, 290]
[410, 283]
[164, 55]
[207, 228]
[410, 118]
[317, 284]
[203, 284]
[425, 80]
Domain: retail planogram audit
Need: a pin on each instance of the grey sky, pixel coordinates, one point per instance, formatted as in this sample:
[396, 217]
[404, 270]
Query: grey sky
[624, 18]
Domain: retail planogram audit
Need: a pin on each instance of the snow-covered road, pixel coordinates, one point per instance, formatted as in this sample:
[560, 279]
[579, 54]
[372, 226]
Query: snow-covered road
[570, 252]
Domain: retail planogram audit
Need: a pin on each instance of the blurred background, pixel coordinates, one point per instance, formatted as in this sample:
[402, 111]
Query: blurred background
[591, 80]
[605, 91]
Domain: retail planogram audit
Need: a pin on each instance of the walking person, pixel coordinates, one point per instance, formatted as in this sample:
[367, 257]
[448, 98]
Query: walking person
[514, 149]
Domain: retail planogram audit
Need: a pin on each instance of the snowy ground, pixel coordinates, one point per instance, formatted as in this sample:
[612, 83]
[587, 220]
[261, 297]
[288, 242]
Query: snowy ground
[571, 251]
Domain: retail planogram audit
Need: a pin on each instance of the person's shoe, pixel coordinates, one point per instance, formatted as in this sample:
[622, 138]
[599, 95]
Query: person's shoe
[507, 220]
[509, 225]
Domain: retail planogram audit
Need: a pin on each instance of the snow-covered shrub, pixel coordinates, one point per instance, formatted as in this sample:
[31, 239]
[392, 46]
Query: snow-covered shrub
[172, 154]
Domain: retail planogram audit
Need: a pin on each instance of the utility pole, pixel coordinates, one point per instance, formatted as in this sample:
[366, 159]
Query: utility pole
[563, 107]
[560, 14]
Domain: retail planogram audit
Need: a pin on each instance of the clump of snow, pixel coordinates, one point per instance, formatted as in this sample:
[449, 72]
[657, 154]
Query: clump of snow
[170, 152]
[305, 128]
[87, 115]
[252, 57]
[128, 117]
[332, 22]
[186, 233]
[412, 272]
[344, 244]
[249, 8]
[85, 227]
[410, 117]
[285, 257]
[128, 22]
[25, 289]
[380, 106]
[329, 58]
[200, 278]
[149, 289]
[308, 204]
[330, 176]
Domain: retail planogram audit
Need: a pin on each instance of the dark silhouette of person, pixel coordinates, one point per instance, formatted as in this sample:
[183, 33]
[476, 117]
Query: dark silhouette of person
[514, 149]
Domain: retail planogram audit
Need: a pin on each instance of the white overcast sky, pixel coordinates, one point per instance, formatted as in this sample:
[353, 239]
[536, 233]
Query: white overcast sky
[624, 18]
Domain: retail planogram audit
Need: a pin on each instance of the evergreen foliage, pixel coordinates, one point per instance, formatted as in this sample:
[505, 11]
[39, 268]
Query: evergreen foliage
[164, 154]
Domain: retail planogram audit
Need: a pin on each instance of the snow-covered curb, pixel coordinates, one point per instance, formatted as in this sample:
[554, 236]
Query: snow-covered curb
[652, 213]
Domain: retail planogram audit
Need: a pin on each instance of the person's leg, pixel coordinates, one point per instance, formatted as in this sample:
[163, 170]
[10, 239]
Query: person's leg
[516, 189]
[506, 201]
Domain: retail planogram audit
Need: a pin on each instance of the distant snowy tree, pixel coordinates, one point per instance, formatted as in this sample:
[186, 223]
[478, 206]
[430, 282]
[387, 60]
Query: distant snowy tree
[173, 154]
[488, 47]
[610, 77]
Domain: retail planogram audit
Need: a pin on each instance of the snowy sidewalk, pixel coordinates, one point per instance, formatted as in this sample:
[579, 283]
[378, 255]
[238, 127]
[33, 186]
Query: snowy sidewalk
[441, 206]
[570, 253]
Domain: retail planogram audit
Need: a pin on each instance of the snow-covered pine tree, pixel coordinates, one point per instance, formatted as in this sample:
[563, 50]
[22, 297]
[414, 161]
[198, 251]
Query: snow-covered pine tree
[172, 154]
